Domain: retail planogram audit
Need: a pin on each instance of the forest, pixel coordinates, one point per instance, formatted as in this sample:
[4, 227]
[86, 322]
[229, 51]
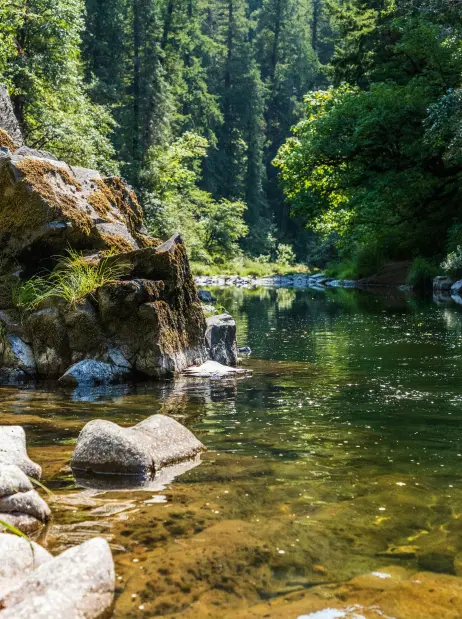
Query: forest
[324, 132]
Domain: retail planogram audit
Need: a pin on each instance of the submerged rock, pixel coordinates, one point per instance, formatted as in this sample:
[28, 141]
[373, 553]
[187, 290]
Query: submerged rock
[78, 584]
[213, 369]
[220, 339]
[105, 447]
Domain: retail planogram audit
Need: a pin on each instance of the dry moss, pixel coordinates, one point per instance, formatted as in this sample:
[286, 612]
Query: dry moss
[123, 199]
[6, 141]
[145, 241]
[100, 203]
[116, 242]
[37, 173]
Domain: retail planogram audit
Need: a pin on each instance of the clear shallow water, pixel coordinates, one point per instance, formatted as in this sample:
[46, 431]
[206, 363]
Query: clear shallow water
[341, 455]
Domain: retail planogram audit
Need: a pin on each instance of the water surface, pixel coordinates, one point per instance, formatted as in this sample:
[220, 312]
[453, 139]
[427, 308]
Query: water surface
[341, 455]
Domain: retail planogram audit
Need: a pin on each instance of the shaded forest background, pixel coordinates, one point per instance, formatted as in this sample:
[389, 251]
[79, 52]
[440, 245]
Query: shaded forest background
[194, 103]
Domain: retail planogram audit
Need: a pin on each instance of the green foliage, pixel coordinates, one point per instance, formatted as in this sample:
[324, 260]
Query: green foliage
[285, 255]
[211, 228]
[245, 267]
[72, 279]
[421, 273]
[365, 260]
[40, 62]
[377, 161]
[452, 264]
[233, 71]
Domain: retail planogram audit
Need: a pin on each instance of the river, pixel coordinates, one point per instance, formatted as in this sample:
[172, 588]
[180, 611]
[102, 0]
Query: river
[340, 456]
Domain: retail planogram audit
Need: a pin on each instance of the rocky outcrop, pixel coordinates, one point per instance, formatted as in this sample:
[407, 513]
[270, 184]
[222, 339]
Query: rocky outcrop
[149, 322]
[78, 584]
[47, 206]
[10, 132]
[220, 339]
[20, 504]
[104, 447]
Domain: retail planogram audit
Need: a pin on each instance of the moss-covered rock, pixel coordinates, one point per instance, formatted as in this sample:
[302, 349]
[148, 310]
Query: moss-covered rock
[152, 316]
[47, 207]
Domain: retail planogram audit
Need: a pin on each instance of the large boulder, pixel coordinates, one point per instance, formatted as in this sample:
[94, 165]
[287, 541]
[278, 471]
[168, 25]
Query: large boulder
[220, 339]
[20, 557]
[106, 448]
[150, 324]
[47, 206]
[78, 584]
[151, 316]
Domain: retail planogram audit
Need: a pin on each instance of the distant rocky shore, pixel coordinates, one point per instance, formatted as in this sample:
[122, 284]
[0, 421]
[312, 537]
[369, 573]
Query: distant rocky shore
[297, 280]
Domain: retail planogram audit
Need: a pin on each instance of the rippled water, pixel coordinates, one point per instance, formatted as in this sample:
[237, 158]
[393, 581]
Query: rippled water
[341, 455]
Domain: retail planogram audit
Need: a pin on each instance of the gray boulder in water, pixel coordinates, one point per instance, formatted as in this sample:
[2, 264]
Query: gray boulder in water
[13, 451]
[20, 505]
[12, 480]
[90, 372]
[105, 447]
[20, 558]
[220, 339]
[78, 584]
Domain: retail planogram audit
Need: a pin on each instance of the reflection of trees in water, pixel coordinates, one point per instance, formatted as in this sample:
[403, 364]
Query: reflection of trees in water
[194, 398]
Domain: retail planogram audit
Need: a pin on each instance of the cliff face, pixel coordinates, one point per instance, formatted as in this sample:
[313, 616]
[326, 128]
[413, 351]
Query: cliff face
[148, 322]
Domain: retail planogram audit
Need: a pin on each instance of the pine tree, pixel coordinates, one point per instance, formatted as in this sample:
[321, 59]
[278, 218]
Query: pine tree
[44, 73]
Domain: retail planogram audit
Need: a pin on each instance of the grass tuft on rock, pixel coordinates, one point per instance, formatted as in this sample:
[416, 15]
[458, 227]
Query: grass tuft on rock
[73, 278]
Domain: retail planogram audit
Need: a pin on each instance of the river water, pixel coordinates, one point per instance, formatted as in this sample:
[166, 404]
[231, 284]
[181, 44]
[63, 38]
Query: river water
[340, 456]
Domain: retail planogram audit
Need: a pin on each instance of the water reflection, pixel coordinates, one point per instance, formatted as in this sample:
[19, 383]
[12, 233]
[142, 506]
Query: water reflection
[341, 455]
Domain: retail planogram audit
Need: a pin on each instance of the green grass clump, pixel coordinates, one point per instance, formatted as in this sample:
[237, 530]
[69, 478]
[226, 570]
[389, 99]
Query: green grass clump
[366, 261]
[421, 273]
[247, 268]
[72, 279]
